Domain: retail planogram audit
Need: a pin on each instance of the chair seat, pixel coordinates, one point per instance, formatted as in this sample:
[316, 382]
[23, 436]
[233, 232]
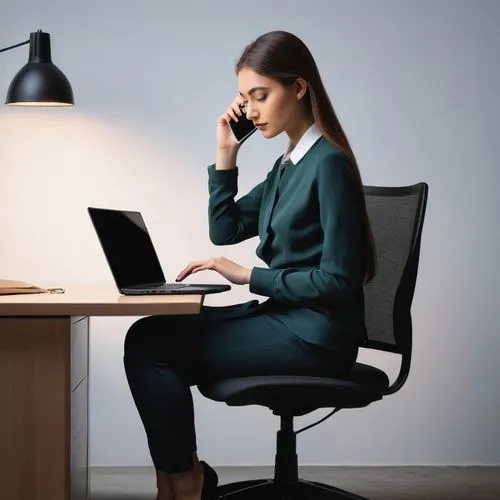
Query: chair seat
[297, 395]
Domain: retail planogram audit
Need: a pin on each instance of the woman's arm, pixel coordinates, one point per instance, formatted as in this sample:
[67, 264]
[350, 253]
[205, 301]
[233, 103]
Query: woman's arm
[231, 221]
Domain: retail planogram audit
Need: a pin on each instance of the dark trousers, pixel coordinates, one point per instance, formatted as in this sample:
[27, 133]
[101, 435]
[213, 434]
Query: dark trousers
[165, 355]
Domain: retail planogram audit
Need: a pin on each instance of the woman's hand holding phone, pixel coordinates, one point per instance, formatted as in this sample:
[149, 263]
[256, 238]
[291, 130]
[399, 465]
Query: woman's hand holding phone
[227, 145]
[225, 136]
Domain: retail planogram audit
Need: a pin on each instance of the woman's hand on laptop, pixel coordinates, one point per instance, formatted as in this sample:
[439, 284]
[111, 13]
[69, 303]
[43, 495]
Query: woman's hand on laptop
[239, 275]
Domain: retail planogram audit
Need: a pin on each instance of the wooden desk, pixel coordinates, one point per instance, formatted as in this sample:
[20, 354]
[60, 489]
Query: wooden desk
[44, 385]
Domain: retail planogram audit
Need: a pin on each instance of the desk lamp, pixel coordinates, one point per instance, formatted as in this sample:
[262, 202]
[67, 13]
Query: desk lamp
[39, 82]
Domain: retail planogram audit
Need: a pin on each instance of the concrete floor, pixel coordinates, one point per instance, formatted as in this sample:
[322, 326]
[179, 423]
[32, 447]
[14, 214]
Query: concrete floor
[375, 483]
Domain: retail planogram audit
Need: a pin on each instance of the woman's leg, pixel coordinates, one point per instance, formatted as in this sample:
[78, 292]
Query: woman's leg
[164, 355]
[157, 374]
[154, 388]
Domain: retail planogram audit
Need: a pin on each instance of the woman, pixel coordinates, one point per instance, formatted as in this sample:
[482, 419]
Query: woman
[315, 237]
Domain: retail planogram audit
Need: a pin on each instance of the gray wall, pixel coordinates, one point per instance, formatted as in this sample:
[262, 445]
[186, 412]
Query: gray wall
[416, 87]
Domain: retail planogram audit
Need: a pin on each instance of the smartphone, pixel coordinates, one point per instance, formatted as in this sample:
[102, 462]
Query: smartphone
[243, 128]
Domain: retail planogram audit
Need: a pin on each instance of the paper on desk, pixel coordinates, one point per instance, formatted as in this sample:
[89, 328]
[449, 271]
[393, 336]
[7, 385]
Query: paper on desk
[11, 287]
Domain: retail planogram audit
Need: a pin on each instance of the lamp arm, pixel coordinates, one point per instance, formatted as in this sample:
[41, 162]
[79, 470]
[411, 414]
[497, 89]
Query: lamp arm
[15, 46]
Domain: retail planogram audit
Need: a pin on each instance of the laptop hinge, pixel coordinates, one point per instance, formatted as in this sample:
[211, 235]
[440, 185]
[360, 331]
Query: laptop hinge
[145, 285]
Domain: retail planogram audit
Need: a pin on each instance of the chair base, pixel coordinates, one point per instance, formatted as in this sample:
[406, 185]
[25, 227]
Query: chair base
[268, 489]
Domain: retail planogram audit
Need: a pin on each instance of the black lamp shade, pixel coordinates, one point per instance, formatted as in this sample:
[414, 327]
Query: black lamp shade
[40, 82]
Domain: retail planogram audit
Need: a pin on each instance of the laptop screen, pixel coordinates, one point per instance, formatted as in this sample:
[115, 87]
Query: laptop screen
[127, 246]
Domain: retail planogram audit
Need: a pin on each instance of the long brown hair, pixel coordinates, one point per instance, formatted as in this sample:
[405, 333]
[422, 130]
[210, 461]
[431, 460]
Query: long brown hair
[284, 57]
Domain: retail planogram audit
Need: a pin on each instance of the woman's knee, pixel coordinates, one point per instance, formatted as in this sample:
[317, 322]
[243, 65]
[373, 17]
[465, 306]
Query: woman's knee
[144, 336]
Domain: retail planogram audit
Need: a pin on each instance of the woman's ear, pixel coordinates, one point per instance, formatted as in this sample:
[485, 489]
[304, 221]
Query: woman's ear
[300, 88]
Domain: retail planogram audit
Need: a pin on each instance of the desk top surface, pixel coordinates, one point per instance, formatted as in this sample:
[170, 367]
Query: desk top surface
[97, 301]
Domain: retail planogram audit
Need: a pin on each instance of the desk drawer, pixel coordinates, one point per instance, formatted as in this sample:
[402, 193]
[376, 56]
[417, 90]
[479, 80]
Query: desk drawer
[79, 351]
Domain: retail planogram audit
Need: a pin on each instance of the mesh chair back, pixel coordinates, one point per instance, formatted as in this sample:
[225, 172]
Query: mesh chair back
[396, 215]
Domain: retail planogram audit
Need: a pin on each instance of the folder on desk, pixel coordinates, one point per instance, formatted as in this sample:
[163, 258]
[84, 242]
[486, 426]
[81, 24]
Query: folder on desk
[12, 287]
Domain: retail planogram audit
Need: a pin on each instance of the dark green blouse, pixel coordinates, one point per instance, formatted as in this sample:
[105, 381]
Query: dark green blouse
[311, 238]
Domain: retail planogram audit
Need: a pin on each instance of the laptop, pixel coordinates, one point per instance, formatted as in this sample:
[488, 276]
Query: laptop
[132, 257]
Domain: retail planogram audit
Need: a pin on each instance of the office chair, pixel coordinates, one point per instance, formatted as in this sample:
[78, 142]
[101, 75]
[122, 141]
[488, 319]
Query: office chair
[397, 216]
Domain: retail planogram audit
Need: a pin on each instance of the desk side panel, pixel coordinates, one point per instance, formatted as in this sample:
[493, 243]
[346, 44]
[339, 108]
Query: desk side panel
[34, 408]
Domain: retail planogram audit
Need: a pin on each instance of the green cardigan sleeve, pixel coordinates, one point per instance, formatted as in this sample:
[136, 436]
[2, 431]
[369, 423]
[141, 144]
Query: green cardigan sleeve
[231, 221]
[340, 273]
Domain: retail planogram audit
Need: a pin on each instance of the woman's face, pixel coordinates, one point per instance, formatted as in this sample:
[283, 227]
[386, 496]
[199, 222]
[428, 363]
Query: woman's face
[272, 107]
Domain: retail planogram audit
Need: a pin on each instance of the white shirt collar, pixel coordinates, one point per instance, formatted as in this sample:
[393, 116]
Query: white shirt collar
[306, 142]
